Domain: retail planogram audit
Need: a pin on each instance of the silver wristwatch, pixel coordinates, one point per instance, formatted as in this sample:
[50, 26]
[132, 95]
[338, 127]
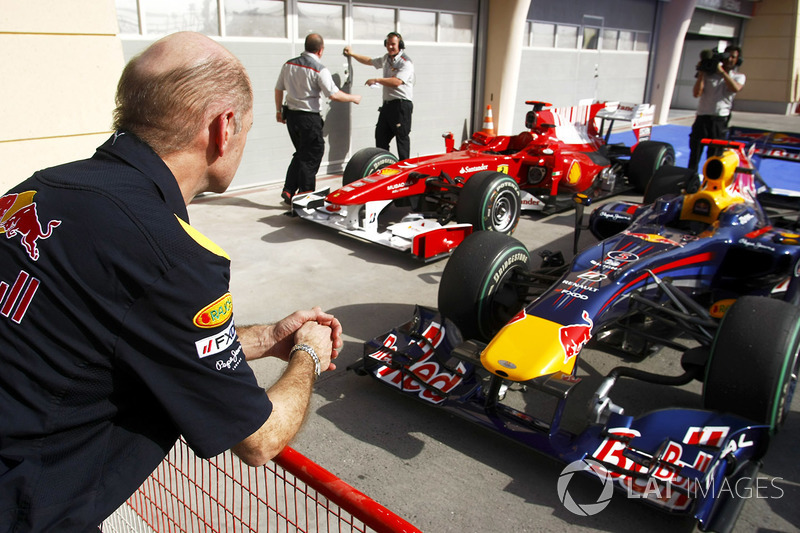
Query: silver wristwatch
[310, 351]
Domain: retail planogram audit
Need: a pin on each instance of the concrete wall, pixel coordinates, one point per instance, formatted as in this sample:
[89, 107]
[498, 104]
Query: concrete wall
[562, 76]
[61, 62]
[772, 59]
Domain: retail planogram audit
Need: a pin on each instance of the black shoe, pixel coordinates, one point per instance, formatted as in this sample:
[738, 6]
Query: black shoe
[286, 196]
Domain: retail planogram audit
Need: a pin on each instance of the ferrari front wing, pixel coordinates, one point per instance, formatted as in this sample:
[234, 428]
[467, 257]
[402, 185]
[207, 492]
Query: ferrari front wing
[424, 238]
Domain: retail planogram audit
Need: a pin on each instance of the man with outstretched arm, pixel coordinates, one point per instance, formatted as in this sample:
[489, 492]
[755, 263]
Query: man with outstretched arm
[394, 117]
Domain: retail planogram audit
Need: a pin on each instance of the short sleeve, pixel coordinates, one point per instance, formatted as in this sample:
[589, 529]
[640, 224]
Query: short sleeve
[180, 343]
[326, 84]
[406, 72]
[279, 84]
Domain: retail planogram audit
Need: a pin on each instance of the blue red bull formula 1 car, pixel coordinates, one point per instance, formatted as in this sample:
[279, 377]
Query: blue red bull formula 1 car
[703, 272]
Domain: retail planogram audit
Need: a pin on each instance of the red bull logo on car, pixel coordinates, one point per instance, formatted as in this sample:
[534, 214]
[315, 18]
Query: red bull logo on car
[575, 336]
[19, 216]
[661, 482]
[426, 375]
[652, 237]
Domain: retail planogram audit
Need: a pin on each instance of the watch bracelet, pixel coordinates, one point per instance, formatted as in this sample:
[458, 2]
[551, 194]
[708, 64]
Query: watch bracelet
[310, 351]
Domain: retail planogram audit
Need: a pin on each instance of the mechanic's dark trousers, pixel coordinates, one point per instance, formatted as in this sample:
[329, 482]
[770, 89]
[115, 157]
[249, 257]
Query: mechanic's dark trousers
[394, 121]
[305, 130]
[706, 127]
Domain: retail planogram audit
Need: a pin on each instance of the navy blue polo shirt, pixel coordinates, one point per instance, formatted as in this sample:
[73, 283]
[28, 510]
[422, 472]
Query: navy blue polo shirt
[116, 336]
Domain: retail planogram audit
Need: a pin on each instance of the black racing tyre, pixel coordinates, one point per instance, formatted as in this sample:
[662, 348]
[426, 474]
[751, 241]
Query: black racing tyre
[490, 201]
[646, 159]
[752, 369]
[365, 162]
[669, 180]
[476, 292]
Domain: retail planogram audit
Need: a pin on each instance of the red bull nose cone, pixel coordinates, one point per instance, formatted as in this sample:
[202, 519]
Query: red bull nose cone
[530, 346]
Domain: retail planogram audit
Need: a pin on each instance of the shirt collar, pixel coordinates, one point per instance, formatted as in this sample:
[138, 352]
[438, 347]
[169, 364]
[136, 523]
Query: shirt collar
[127, 147]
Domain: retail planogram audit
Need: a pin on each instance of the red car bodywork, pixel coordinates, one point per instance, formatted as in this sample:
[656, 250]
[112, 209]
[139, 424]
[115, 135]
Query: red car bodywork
[563, 152]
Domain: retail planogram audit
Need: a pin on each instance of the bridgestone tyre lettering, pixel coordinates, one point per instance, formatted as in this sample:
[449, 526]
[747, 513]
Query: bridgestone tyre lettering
[668, 180]
[490, 201]
[365, 162]
[646, 159]
[476, 292]
[753, 365]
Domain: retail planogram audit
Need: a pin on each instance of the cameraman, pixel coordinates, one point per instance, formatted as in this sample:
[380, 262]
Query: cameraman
[716, 84]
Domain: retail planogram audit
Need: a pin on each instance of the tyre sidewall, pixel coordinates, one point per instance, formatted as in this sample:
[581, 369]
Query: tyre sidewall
[365, 162]
[501, 268]
[752, 358]
[472, 277]
[646, 159]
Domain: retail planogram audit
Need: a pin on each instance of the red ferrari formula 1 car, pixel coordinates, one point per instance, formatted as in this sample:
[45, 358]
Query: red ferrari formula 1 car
[706, 273]
[484, 184]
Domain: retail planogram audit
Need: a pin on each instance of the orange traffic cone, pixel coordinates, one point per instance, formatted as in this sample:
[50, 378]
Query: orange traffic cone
[488, 124]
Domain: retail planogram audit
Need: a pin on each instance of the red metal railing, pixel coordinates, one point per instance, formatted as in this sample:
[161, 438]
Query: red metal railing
[291, 493]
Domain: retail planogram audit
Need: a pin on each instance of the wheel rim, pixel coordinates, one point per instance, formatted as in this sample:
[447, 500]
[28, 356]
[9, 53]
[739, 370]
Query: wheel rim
[504, 212]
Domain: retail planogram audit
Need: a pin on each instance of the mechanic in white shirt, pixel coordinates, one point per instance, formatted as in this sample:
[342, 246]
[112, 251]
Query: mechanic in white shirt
[304, 79]
[394, 119]
[716, 90]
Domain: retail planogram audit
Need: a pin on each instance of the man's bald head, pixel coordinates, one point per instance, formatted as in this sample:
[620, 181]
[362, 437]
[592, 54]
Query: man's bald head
[179, 50]
[314, 43]
[167, 93]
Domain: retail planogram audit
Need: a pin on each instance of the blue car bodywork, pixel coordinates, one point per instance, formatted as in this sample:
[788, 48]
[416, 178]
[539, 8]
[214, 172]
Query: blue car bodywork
[681, 261]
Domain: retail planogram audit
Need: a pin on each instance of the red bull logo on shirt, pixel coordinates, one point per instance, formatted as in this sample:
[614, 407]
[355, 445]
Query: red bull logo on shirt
[19, 216]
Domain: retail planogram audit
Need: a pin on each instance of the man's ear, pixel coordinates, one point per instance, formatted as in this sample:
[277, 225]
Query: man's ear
[223, 128]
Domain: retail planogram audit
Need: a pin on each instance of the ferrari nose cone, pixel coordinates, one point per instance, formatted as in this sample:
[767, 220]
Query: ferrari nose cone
[530, 346]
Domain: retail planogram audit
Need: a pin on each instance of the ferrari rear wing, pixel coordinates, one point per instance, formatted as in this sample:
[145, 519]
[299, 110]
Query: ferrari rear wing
[639, 115]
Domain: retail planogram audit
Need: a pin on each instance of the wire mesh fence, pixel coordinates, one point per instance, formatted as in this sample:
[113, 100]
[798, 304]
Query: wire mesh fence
[289, 494]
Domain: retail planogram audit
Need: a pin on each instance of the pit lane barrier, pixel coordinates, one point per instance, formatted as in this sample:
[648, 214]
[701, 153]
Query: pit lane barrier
[222, 494]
